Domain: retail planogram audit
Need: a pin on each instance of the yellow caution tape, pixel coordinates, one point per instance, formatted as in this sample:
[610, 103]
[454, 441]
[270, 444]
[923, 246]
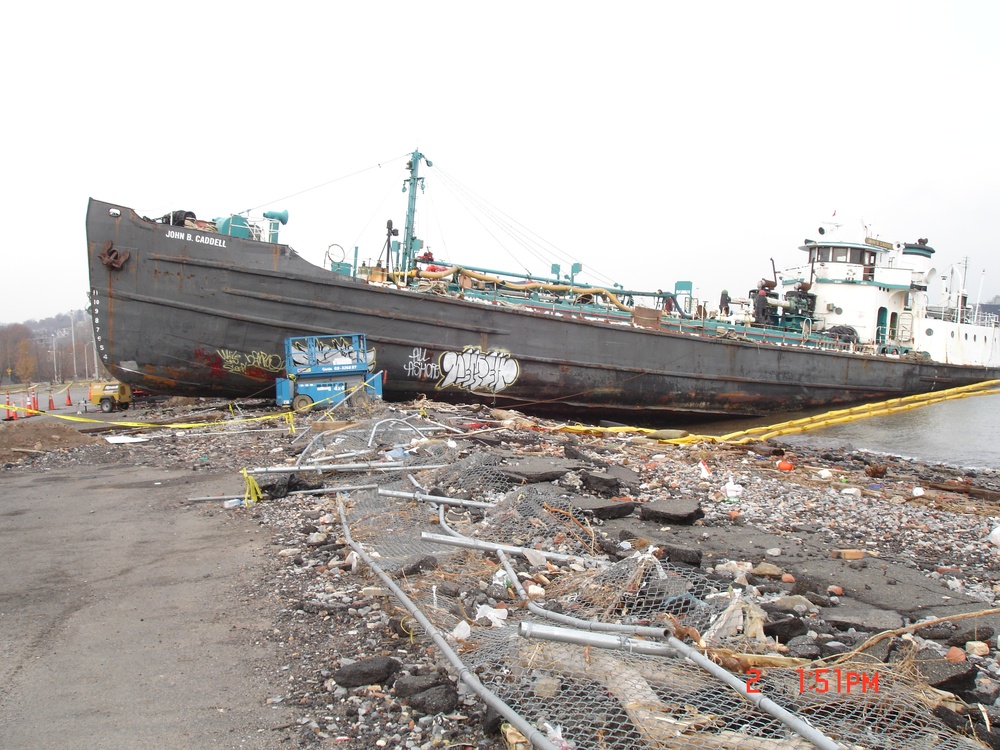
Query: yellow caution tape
[253, 492]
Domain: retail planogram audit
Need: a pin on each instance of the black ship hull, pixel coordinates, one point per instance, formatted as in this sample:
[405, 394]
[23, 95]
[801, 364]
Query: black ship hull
[189, 312]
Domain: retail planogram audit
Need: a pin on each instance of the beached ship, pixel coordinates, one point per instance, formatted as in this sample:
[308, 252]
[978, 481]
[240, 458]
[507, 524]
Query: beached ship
[186, 306]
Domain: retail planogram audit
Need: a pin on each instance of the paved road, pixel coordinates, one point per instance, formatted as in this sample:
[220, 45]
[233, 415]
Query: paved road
[126, 619]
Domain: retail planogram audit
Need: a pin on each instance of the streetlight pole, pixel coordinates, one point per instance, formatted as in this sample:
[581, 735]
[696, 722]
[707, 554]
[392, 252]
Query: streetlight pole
[72, 335]
[55, 374]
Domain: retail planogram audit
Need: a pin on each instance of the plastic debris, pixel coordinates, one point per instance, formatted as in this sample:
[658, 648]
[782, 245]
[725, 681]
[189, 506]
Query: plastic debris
[462, 631]
[495, 616]
[732, 489]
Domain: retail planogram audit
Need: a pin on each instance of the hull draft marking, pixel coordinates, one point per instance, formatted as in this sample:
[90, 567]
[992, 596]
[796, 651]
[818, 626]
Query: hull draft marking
[473, 369]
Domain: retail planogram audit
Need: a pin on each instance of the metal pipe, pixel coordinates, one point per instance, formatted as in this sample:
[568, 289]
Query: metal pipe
[575, 622]
[619, 642]
[421, 497]
[194, 433]
[323, 456]
[387, 466]
[463, 541]
[392, 419]
[536, 738]
[321, 491]
[215, 497]
[800, 726]
[673, 647]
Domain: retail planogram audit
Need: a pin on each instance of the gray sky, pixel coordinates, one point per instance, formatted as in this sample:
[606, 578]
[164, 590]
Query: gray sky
[651, 142]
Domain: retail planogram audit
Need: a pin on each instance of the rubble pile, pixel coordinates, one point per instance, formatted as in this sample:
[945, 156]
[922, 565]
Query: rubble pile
[804, 570]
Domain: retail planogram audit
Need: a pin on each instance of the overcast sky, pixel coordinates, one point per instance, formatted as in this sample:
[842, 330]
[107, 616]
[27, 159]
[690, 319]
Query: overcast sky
[652, 142]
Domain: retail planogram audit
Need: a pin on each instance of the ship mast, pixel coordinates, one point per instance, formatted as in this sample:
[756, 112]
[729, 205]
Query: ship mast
[410, 243]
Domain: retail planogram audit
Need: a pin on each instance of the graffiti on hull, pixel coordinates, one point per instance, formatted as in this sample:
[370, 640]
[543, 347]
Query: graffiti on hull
[241, 362]
[475, 370]
[420, 366]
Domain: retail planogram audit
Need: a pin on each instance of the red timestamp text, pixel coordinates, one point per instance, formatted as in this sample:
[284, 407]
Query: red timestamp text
[825, 681]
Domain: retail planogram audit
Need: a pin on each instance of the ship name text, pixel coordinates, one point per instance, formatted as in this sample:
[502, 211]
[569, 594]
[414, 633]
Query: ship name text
[173, 234]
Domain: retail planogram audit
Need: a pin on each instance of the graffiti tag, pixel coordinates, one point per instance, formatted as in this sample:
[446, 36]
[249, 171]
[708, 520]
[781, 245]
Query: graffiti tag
[476, 370]
[240, 362]
[420, 366]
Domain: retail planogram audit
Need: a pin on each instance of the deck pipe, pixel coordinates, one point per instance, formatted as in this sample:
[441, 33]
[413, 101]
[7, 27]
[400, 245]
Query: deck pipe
[536, 738]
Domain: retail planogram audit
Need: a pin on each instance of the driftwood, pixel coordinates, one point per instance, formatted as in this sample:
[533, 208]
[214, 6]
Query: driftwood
[966, 489]
[661, 724]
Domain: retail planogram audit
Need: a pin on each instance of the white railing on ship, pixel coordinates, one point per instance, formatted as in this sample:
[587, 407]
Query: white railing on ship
[965, 315]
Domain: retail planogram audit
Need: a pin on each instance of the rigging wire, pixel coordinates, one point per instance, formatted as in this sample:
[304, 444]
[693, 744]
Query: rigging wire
[469, 197]
[446, 181]
[385, 198]
[377, 165]
[518, 232]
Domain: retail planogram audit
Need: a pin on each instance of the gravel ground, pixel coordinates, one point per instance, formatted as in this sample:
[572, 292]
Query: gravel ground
[332, 616]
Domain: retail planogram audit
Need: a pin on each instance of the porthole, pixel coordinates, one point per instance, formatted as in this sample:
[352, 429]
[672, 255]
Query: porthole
[953, 334]
[929, 332]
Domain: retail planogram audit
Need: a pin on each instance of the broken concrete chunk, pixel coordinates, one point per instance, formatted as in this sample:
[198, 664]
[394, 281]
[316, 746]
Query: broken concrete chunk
[372, 671]
[679, 510]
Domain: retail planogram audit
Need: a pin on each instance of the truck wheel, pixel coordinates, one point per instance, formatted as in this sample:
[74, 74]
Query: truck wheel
[123, 405]
[107, 405]
[301, 402]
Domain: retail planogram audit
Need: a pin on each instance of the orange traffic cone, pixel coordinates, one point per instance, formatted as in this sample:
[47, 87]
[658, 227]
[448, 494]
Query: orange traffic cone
[69, 401]
[7, 408]
[34, 400]
[52, 403]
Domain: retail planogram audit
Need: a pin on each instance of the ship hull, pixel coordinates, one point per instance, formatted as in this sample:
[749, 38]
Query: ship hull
[185, 312]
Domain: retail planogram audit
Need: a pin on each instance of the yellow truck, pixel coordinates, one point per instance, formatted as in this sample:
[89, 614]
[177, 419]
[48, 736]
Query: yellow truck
[110, 396]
